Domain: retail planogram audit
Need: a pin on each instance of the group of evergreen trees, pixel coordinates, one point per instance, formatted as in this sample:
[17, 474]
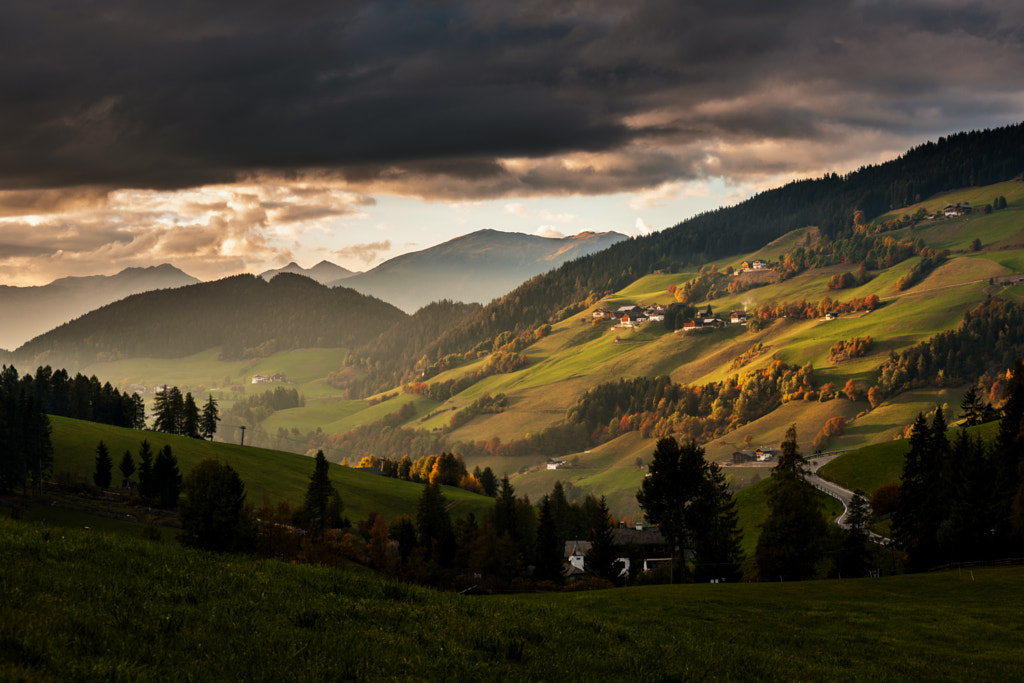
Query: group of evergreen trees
[178, 414]
[989, 339]
[78, 397]
[26, 453]
[963, 500]
[159, 480]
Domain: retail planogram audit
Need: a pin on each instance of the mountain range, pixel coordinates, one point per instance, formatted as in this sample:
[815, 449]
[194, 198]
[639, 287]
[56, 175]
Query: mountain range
[324, 272]
[30, 311]
[473, 268]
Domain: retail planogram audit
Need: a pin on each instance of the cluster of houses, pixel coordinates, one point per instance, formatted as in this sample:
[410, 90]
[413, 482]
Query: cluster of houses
[756, 264]
[709, 322]
[268, 379]
[632, 316]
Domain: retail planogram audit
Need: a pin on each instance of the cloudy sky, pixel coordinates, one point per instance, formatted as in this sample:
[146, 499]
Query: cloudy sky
[230, 136]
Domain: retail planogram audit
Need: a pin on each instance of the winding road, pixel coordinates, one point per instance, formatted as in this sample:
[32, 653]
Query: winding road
[844, 496]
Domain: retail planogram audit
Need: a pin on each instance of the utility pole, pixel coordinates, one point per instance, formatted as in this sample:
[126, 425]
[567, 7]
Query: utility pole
[243, 434]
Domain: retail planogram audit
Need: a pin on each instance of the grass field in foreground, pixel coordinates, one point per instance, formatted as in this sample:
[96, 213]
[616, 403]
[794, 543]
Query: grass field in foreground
[76, 605]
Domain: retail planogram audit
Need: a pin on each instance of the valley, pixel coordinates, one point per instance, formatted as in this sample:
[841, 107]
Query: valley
[579, 354]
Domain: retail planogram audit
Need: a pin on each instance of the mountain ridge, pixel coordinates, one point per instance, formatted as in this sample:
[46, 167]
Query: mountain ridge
[473, 268]
[28, 312]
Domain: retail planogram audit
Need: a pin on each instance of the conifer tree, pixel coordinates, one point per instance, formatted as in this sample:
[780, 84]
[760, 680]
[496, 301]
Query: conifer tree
[104, 467]
[790, 543]
[189, 425]
[549, 548]
[127, 468]
[854, 558]
[147, 485]
[601, 560]
[323, 507]
[717, 538]
[209, 419]
[435, 526]
[166, 478]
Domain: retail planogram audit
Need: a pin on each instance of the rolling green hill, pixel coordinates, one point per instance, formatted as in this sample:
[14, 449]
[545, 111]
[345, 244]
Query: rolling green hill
[82, 605]
[281, 476]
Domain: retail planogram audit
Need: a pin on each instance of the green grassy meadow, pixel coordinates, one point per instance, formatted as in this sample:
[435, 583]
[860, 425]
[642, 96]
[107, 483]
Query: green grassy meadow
[86, 605]
[281, 476]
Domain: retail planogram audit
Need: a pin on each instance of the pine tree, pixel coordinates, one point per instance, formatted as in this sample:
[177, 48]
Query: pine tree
[549, 547]
[971, 407]
[435, 526]
[854, 558]
[321, 496]
[790, 543]
[147, 485]
[209, 419]
[127, 468]
[166, 478]
[165, 420]
[189, 425]
[601, 560]
[104, 467]
[717, 539]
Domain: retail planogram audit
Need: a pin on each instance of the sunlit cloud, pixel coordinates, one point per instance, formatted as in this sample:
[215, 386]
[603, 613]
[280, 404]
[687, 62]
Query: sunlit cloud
[549, 231]
[207, 231]
[367, 253]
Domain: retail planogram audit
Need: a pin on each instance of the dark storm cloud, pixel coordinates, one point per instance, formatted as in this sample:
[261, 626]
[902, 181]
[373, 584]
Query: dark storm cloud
[433, 95]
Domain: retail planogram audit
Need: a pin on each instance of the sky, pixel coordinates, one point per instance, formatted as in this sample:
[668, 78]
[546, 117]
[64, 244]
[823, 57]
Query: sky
[228, 137]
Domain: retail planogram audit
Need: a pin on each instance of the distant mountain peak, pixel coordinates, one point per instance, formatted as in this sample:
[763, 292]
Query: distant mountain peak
[474, 268]
[324, 272]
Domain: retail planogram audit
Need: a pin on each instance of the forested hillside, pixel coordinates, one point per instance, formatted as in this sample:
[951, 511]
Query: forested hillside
[244, 315]
[960, 160]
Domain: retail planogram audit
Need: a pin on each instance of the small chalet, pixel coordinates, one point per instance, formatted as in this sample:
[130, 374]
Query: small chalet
[557, 463]
[756, 264]
[741, 457]
[603, 313]
[647, 542]
[765, 454]
[831, 315]
[692, 325]
[954, 210]
[738, 317]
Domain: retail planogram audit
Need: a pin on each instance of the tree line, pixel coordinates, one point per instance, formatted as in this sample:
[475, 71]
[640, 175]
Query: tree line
[78, 397]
